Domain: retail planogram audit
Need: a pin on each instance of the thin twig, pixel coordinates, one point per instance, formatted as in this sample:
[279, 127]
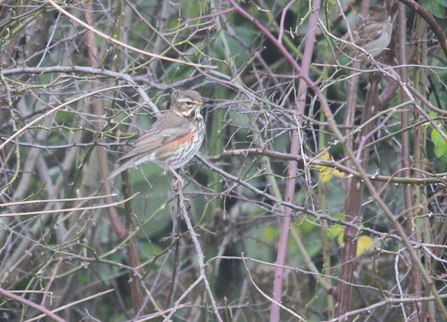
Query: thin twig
[200, 255]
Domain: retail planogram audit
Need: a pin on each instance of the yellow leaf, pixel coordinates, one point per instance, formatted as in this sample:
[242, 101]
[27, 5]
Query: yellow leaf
[364, 244]
[325, 174]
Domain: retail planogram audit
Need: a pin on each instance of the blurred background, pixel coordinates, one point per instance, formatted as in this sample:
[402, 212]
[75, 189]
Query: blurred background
[80, 82]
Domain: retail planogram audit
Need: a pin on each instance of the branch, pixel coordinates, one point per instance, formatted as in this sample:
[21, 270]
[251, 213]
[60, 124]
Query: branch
[200, 255]
[121, 44]
[430, 20]
[41, 308]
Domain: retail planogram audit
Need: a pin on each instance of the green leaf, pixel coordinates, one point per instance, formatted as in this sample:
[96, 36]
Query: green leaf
[440, 150]
[440, 145]
[438, 10]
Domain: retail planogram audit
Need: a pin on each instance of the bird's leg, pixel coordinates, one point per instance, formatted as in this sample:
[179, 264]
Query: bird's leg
[177, 177]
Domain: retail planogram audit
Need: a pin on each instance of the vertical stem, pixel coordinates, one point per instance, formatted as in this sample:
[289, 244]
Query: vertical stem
[121, 231]
[217, 124]
[406, 162]
[353, 202]
[354, 194]
[423, 224]
[295, 147]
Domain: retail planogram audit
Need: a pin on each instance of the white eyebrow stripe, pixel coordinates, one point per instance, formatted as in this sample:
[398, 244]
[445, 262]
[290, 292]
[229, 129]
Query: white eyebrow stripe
[185, 99]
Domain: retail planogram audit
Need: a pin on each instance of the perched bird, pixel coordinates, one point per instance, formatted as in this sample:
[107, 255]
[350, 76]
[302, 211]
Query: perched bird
[372, 34]
[172, 140]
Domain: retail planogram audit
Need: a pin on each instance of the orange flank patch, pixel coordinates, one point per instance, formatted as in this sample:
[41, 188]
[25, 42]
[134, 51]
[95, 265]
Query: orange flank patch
[175, 144]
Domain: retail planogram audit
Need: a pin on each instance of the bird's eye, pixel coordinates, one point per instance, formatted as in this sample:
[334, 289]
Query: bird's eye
[189, 103]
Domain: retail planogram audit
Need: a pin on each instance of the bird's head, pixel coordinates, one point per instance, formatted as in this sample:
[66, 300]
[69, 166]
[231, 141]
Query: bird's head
[187, 104]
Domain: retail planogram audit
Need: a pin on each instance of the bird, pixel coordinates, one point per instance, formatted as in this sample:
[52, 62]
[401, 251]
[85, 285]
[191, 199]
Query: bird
[172, 140]
[372, 34]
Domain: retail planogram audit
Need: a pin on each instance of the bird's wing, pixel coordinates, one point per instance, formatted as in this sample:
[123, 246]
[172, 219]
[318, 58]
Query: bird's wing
[157, 135]
[373, 30]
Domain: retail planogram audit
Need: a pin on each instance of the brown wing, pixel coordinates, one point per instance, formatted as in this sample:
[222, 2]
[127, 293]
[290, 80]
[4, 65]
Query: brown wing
[165, 129]
[374, 31]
